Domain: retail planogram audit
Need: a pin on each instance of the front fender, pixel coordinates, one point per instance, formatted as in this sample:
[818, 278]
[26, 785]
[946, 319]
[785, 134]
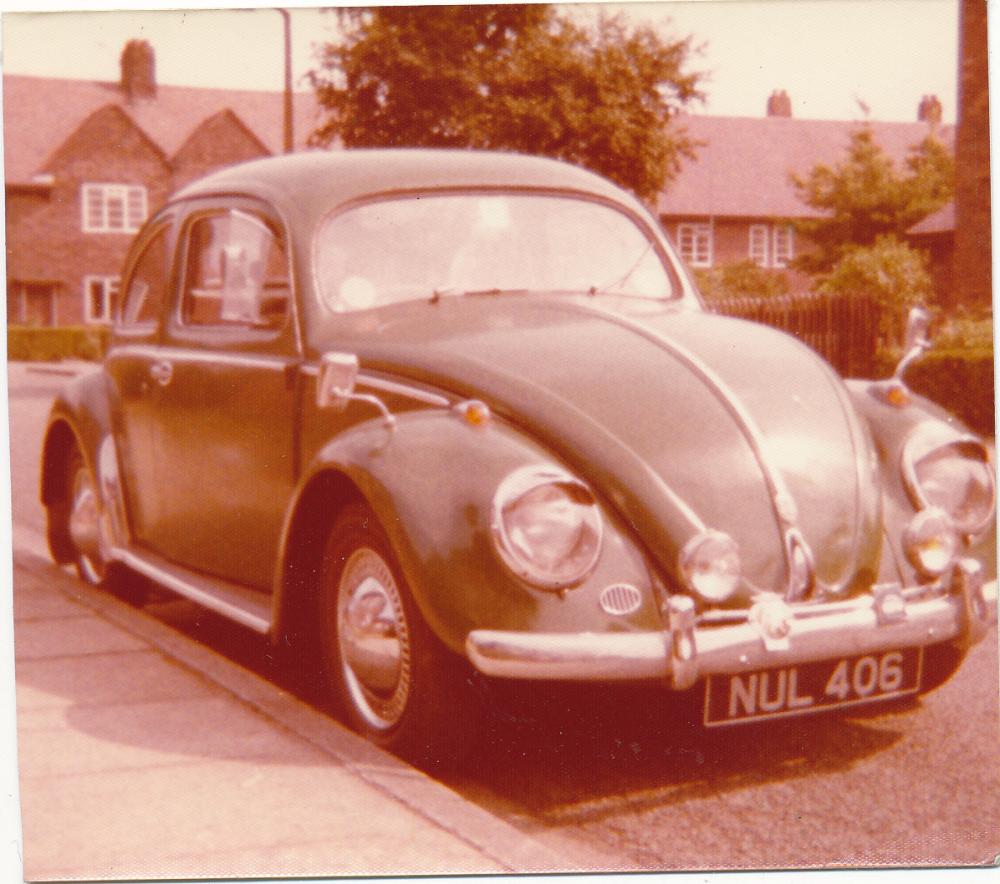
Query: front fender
[431, 483]
[890, 426]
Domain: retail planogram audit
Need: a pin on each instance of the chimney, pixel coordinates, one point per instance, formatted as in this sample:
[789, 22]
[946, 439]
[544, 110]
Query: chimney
[138, 70]
[779, 104]
[929, 110]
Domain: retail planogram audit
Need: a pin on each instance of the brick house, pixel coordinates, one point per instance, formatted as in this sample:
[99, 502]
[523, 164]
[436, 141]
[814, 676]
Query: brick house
[86, 162]
[735, 201]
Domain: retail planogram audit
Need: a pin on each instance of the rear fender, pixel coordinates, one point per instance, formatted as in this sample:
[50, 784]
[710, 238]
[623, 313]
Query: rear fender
[80, 416]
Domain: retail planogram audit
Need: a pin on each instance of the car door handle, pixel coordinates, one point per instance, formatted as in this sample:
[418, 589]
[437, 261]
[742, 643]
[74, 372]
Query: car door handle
[162, 372]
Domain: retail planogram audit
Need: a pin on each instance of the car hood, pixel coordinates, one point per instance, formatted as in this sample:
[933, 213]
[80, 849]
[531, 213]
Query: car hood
[679, 419]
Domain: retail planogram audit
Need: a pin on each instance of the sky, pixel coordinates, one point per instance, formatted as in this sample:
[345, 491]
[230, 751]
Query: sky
[832, 56]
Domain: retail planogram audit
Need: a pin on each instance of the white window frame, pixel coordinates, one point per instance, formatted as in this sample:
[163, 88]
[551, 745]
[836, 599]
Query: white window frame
[100, 197]
[110, 286]
[782, 253]
[697, 252]
[759, 244]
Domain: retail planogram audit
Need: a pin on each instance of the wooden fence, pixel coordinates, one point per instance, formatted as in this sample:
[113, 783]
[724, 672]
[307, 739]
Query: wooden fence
[844, 330]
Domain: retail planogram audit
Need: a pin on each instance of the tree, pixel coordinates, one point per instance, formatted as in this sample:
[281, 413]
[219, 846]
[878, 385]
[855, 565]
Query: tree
[865, 197]
[518, 77]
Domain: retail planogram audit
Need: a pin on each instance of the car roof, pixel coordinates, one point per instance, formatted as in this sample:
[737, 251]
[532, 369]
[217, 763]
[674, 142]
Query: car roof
[313, 182]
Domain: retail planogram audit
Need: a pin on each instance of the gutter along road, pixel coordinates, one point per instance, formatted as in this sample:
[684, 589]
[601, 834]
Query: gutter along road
[597, 780]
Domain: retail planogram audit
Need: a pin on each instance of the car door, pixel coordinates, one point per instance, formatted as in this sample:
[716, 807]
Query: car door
[227, 399]
[130, 366]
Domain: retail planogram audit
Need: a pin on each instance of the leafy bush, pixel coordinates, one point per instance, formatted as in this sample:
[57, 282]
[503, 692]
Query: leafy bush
[38, 344]
[739, 280]
[965, 332]
[958, 379]
[891, 272]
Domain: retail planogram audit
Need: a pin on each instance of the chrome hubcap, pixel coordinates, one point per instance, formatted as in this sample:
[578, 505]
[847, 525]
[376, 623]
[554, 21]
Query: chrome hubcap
[84, 525]
[374, 639]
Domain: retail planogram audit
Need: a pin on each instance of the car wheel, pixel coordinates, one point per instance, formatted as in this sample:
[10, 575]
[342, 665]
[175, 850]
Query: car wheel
[401, 688]
[83, 530]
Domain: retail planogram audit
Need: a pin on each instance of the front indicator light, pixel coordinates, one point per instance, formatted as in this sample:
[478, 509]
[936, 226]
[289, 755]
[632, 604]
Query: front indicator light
[710, 565]
[931, 542]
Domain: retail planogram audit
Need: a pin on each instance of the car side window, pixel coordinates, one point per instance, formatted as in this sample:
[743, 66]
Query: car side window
[146, 288]
[236, 273]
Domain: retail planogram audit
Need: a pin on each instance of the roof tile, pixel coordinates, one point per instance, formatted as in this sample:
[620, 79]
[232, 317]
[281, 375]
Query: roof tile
[40, 113]
[743, 164]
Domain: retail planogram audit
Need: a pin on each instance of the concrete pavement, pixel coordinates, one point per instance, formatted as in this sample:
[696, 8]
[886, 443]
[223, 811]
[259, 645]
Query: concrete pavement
[144, 754]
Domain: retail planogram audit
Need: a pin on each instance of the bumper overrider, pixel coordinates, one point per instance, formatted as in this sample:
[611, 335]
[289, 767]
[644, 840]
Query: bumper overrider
[774, 633]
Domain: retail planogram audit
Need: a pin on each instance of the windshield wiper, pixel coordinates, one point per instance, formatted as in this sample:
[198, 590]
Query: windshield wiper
[440, 293]
[621, 280]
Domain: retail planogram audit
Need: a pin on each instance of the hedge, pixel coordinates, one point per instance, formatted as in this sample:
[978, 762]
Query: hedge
[960, 380]
[44, 344]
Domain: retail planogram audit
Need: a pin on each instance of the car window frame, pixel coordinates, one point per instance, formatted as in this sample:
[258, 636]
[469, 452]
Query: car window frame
[164, 222]
[230, 336]
[652, 230]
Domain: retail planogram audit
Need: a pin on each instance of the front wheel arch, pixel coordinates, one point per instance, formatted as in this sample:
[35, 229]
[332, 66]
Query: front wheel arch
[60, 440]
[314, 514]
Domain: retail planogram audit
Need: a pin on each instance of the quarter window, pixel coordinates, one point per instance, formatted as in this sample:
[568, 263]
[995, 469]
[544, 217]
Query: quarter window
[147, 286]
[113, 208]
[694, 241]
[237, 272]
[100, 297]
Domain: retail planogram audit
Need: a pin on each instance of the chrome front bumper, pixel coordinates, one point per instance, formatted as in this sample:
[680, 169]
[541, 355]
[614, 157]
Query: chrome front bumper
[774, 634]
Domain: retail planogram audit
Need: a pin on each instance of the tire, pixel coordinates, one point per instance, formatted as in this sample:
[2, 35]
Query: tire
[399, 686]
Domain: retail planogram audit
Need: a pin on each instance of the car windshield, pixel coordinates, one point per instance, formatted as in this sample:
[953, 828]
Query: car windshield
[438, 245]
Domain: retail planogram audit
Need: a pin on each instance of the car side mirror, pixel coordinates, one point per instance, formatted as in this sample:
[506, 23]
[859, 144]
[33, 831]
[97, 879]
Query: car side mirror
[338, 377]
[916, 341]
[337, 383]
[917, 323]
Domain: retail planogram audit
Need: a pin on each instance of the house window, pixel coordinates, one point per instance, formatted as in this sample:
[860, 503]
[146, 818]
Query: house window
[760, 235]
[113, 208]
[771, 245]
[784, 245]
[695, 244]
[100, 298]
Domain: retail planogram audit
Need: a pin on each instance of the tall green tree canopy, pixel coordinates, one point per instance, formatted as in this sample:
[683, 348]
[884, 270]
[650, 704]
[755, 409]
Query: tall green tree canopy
[521, 78]
[865, 196]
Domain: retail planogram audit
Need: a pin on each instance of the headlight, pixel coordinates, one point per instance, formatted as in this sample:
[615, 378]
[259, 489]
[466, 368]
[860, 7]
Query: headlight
[930, 542]
[547, 526]
[952, 473]
[710, 564]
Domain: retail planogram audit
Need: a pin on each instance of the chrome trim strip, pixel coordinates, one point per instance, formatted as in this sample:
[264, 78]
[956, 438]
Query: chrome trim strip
[415, 393]
[852, 629]
[387, 386]
[182, 587]
[182, 354]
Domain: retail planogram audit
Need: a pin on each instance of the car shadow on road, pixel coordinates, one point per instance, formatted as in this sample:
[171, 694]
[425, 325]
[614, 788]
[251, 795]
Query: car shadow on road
[566, 755]
[594, 751]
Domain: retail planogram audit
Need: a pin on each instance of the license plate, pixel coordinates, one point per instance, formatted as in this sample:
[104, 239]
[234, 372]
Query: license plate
[811, 687]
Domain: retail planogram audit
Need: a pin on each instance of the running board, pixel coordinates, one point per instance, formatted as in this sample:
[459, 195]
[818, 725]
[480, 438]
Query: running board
[235, 602]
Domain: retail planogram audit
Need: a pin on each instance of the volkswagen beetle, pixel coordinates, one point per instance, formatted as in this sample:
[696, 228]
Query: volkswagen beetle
[445, 412]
